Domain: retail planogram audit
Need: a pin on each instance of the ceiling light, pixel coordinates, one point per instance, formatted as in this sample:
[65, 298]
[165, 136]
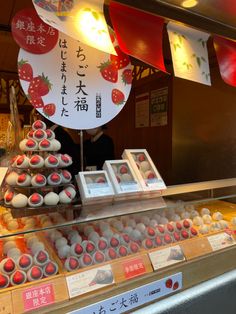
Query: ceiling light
[189, 3]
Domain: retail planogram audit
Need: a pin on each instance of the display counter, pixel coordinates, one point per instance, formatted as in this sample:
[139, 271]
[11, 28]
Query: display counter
[97, 257]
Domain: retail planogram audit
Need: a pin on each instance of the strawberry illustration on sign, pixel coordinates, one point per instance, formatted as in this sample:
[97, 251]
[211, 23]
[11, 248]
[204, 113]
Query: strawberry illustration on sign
[39, 86]
[109, 71]
[25, 70]
[117, 97]
[49, 110]
[121, 60]
[127, 76]
[37, 102]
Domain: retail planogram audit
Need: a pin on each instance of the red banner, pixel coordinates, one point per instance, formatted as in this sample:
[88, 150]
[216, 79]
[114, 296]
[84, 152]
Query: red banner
[226, 56]
[139, 33]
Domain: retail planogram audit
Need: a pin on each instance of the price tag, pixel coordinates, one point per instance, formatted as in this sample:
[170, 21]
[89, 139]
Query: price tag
[220, 241]
[166, 257]
[127, 301]
[38, 297]
[99, 189]
[89, 280]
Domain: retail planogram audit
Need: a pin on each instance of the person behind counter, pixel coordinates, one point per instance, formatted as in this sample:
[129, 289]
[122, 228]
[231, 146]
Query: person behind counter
[98, 148]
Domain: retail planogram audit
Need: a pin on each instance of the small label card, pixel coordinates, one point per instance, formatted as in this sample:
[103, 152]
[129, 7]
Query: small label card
[129, 186]
[166, 257]
[89, 280]
[220, 241]
[99, 189]
[38, 296]
[134, 268]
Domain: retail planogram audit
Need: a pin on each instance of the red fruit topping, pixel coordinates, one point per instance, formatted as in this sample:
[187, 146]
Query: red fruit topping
[176, 236]
[141, 157]
[184, 234]
[102, 245]
[167, 238]
[112, 253]
[50, 268]
[21, 178]
[160, 229]
[123, 251]
[99, 257]
[123, 169]
[170, 228]
[193, 231]
[39, 178]
[158, 241]
[52, 160]
[134, 247]
[35, 198]
[65, 159]
[78, 249]
[66, 174]
[36, 272]
[49, 133]
[176, 285]
[151, 175]
[35, 160]
[18, 277]
[87, 259]
[20, 160]
[24, 261]
[9, 266]
[100, 180]
[68, 194]
[45, 143]
[73, 263]
[148, 243]
[126, 238]
[3, 281]
[186, 224]
[38, 124]
[42, 257]
[169, 283]
[114, 242]
[90, 247]
[55, 177]
[30, 143]
[151, 231]
[39, 134]
[9, 196]
[30, 134]
[178, 225]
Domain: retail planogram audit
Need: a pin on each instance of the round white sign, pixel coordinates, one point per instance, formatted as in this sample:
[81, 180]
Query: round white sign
[76, 86]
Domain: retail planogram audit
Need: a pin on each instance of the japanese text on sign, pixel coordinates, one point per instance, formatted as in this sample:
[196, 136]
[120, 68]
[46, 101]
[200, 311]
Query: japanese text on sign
[38, 297]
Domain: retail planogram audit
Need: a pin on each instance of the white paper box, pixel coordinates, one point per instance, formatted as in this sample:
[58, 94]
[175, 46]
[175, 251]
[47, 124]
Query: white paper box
[144, 169]
[95, 186]
[123, 178]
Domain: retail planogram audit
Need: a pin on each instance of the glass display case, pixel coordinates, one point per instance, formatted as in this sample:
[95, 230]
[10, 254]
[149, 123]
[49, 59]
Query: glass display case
[69, 258]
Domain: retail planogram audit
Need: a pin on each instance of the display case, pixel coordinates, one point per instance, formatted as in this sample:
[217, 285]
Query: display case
[92, 257]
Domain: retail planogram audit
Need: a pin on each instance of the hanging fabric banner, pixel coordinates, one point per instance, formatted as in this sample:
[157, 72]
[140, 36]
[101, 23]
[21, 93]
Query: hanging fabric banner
[82, 20]
[139, 33]
[226, 56]
[189, 53]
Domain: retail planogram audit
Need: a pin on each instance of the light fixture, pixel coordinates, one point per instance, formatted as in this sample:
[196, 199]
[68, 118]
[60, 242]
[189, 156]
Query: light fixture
[189, 3]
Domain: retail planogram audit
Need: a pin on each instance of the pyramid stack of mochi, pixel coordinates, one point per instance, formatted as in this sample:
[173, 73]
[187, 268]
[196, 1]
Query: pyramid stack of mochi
[38, 176]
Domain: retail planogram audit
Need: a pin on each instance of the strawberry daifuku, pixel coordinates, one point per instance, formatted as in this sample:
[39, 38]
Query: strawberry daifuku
[50, 269]
[35, 200]
[18, 278]
[54, 178]
[34, 273]
[38, 124]
[45, 145]
[38, 180]
[71, 263]
[36, 161]
[39, 135]
[51, 161]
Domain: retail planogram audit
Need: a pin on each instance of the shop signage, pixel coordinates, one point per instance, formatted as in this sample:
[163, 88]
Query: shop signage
[159, 106]
[89, 280]
[134, 268]
[31, 33]
[189, 53]
[221, 240]
[38, 296]
[166, 257]
[77, 86]
[127, 301]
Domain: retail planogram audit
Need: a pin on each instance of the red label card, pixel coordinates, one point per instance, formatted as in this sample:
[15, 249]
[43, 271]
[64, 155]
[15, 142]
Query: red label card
[134, 268]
